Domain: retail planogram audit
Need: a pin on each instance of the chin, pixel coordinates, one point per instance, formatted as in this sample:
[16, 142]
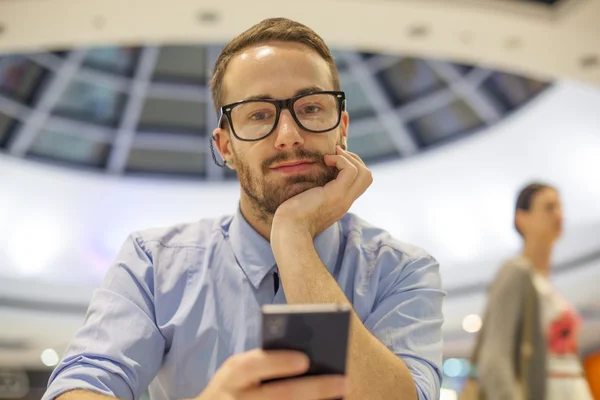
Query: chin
[294, 188]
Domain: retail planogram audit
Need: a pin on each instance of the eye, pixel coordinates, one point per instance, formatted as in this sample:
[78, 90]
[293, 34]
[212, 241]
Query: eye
[258, 116]
[310, 109]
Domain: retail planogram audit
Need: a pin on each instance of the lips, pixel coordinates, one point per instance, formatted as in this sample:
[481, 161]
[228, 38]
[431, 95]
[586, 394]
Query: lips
[290, 164]
[293, 166]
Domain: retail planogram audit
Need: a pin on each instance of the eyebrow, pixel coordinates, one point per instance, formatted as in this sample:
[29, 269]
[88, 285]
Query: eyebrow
[300, 92]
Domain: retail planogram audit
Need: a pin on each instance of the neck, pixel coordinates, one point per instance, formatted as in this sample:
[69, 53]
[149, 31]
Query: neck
[538, 252]
[257, 219]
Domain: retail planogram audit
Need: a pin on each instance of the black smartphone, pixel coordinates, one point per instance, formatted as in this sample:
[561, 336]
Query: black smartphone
[318, 330]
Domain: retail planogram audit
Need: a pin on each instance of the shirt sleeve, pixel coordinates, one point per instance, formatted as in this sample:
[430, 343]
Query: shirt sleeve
[119, 349]
[408, 319]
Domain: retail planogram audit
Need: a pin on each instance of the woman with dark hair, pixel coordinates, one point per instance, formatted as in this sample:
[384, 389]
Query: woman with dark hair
[528, 345]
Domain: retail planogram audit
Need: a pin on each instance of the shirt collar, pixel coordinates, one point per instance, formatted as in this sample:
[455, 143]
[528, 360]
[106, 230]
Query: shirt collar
[255, 256]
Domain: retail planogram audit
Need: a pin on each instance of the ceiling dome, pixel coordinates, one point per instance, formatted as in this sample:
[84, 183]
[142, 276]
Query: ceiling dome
[147, 110]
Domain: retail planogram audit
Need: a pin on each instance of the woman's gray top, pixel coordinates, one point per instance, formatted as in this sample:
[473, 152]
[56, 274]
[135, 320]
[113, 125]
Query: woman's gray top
[501, 347]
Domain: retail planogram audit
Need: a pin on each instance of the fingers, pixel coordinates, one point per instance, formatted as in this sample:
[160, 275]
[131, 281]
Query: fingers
[305, 388]
[347, 169]
[356, 157]
[364, 178]
[355, 180]
[245, 370]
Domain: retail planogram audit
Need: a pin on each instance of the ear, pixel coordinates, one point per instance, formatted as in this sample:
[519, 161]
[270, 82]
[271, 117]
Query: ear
[224, 146]
[344, 123]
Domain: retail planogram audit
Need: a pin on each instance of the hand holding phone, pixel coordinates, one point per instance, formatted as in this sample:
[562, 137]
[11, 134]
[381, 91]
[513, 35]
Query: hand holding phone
[240, 377]
[303, 356]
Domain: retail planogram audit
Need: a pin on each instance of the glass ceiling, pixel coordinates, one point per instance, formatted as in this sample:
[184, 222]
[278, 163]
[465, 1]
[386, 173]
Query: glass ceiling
[147, 110]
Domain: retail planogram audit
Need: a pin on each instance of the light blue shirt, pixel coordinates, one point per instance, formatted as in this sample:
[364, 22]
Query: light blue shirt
[178, 302]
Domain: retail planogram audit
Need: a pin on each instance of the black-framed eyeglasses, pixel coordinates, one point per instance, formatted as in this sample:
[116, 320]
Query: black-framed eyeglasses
[252, 120]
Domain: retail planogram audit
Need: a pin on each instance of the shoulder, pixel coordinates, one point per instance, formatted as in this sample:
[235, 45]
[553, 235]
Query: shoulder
[379, 242]
[514, 268]
[198, 234]
[395, 264]
[170, 253]
[513, 275]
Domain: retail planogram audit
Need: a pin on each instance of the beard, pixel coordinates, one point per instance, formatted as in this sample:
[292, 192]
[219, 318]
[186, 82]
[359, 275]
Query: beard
[268, 194]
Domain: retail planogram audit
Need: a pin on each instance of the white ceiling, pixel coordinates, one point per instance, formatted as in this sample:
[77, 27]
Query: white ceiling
[503, 34]
[61, 228]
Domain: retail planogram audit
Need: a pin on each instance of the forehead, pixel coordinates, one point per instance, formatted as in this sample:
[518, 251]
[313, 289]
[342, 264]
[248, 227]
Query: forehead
[276, 70]
[545, 196]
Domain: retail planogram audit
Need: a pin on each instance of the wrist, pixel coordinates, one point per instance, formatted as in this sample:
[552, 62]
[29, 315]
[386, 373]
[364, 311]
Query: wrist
[290, 234]
[287, 226]
[289, 239]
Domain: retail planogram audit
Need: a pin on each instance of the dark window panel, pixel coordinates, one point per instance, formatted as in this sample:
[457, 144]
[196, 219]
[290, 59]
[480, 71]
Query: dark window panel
[117, 60]
[92, 103]
[409, 79]
[21, 78]
[7, 135]
[71, 148]
[372, 146]
[60, 53]
[512, 91]
[546, 2]
[445, 123]
[340, 62]
[166, 162]
[464, 69]
[7, 129]
[367, 55]
[186, 64]
[357, 104]
[5, 124]
[173, 115]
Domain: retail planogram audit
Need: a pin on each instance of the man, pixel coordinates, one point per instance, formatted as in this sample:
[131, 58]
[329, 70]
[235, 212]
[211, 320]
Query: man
[180, 307]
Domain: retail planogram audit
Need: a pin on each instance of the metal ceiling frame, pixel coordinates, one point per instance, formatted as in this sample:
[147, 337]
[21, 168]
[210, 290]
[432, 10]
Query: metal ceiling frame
[26, 133]
[483, 105]
[125, 135]
[122, 84]
[391, 121]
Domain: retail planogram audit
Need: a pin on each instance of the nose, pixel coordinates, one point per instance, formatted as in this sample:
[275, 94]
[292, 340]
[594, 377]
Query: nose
[558, 215]
[287, 132]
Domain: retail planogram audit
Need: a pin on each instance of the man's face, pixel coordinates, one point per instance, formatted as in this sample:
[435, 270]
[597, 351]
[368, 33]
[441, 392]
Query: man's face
[279, 71]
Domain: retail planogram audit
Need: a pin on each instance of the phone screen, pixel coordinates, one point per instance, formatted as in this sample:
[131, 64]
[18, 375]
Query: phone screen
[318, 330]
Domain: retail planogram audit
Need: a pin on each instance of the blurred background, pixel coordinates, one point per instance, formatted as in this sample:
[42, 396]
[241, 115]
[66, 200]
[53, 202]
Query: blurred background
[105, 115]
